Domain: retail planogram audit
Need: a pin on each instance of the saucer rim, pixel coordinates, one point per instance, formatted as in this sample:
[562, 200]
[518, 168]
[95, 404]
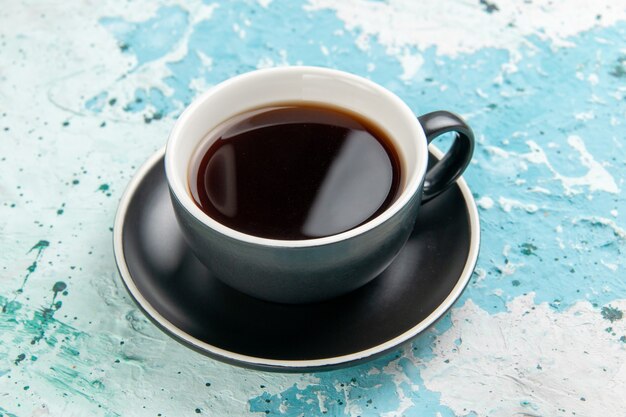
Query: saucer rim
[278, 364]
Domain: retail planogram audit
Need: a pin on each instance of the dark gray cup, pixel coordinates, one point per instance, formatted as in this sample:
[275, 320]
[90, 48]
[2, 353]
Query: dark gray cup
[298, 271]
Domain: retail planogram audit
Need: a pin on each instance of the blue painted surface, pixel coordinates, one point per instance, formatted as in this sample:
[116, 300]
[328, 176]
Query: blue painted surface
[153, 38]
[550, 230]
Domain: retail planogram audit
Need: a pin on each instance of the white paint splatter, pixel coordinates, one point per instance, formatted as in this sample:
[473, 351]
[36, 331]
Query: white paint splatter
[481, 274]
[373, 371]
[485, 202]
[584, 116]
[494, 150]
[398, 24]
[401, 380]
[612, 266]
[597, 177]
[522, 361]
[265, 62]
[411, 63]
[506, 250]
[321, 402]
[597, 220]
[508, 267]
[617, 95]
[507, 204]
[239, 30]
[353, 409]
[596, 100]
[480, 93]
[199, 85]
[540, 190]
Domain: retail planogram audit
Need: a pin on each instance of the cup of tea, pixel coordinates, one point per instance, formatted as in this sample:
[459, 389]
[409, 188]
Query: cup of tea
[299, 184]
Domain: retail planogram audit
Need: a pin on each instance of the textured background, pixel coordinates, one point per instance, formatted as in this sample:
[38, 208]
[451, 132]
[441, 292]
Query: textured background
[89, 89]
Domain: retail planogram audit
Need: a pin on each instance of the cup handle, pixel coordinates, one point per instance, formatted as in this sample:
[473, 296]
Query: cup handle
[445, 172]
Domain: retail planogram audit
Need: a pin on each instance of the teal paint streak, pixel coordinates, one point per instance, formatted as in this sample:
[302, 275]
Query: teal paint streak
[74, 375]
[5, 413]
[39, 246]
[41, 325]
[35, 327]
[70, 380]
[43, 318]
[10, 306]
[39, 334]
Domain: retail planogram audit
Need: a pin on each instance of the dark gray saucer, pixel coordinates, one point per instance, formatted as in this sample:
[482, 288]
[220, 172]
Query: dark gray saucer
[179, 295]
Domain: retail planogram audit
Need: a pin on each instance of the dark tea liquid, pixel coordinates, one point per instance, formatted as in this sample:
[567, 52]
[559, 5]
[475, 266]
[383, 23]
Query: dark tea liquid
[296, 172]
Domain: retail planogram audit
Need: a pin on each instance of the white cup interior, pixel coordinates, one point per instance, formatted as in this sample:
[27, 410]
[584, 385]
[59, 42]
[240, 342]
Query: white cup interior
[295, 84]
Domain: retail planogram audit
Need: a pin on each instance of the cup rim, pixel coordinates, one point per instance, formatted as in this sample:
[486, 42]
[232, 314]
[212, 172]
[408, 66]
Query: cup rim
[179, 188]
